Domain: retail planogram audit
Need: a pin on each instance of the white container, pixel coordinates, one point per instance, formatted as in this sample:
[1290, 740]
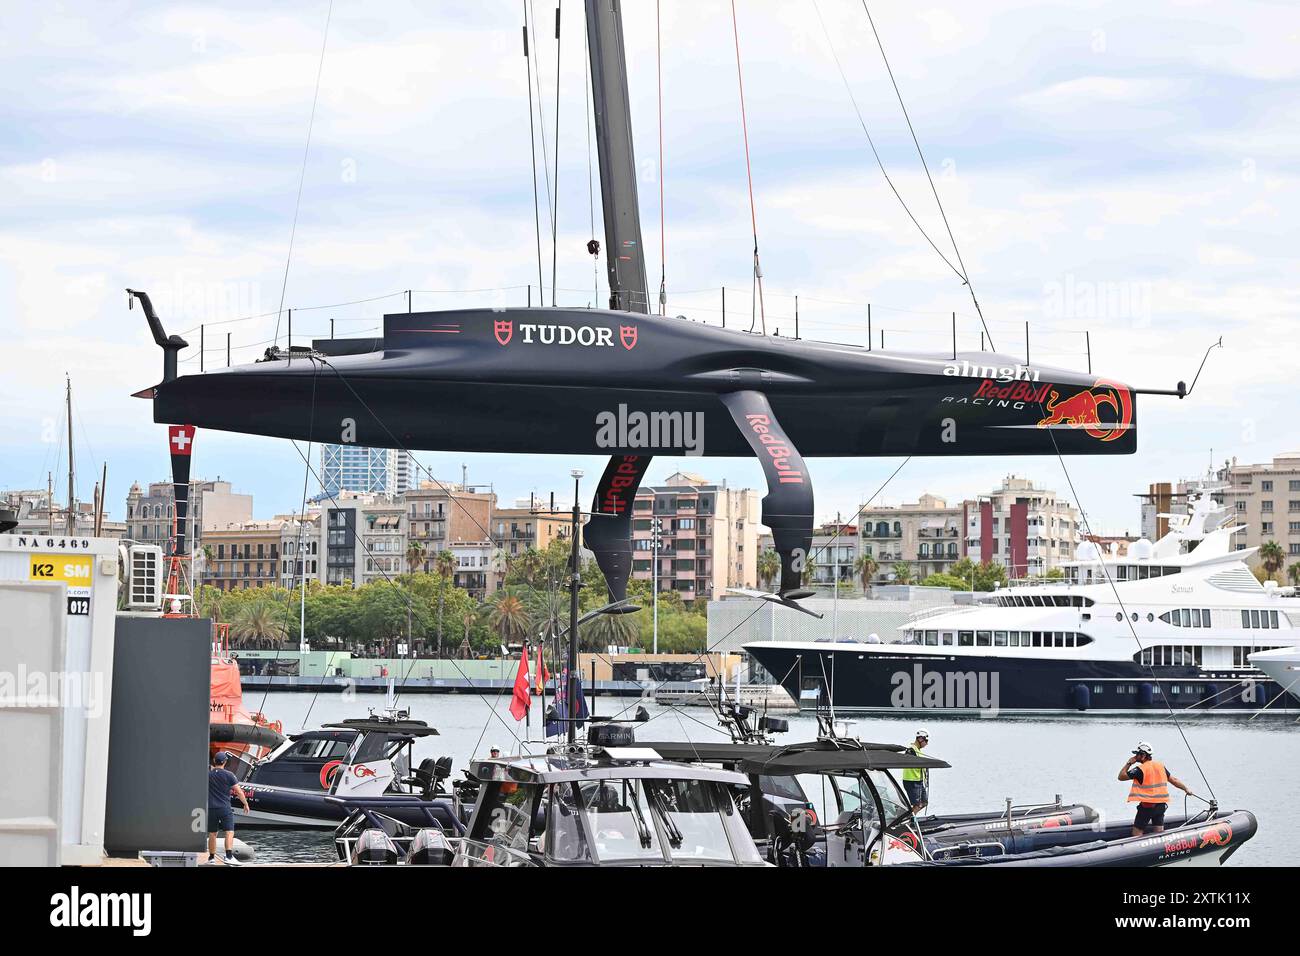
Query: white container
[73, 689]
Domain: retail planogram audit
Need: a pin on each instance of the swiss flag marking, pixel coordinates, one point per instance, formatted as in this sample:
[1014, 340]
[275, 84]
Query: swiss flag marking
[180, 438]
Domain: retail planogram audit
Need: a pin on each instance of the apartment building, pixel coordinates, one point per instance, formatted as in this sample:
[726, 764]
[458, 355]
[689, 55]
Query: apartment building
[1266, 500]
[515, 530]
[832, 557]
[708, 536]
[925, 535]
[213, 504]
[1027, 529]
[34, 515]
[261, 553]
[440, 514]
[364, 538]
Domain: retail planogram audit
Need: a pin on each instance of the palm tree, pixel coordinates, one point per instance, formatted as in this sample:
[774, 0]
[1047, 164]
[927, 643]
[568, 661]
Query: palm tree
[259, 622]
[508, 616]
[902, 573]
[1272, 557]
[606, 629]
[415, 555]
[444, 565]
[1293, 572]
[865, 567]
[769, 566]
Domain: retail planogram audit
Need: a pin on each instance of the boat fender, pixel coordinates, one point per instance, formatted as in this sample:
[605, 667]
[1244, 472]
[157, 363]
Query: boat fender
[1146, 694]
[243, 852]
[374, 848]
[1082, 697]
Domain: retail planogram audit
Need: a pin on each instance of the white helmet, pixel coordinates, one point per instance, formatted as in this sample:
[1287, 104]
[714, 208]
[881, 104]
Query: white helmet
[922, 732]
[1144, 748]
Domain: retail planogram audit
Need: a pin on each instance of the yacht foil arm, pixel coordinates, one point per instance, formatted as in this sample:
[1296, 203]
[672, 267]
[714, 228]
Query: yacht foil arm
[788, 505]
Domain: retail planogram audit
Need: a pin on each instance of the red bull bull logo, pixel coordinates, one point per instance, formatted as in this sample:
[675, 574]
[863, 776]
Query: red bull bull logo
[1104, 412]
[1218, 835]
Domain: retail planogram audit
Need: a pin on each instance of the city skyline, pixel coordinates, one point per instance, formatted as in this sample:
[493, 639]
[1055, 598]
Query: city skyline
[1157, 244]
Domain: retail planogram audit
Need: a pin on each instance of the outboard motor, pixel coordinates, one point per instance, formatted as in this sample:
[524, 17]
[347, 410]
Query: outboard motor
[429, 847]
[374, 848]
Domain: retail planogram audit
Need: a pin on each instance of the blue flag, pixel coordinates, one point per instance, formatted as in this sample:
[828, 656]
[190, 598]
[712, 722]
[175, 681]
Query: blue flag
[555, 728]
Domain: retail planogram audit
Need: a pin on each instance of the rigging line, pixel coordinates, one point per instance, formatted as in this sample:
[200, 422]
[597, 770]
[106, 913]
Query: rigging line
[659, 82]
[555, 199]
[934, 189]
[591, 192]
[749, 174]
[1127, 619]
[876, 153]
[486, 532]
[302, 173]
[532, 152]
[541, 117]
[402, 595]
[759, 605]
[288, 598]
[864, 507]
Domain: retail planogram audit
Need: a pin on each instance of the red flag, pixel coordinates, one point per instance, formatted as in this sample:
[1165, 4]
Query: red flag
[543, 675]
[520, 699]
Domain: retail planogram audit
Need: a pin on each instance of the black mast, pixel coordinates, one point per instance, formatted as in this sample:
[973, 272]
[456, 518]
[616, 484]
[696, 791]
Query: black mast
[624, 259]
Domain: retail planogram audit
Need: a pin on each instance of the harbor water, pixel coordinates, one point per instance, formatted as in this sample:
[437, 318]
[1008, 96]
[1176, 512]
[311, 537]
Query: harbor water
[1250, 764]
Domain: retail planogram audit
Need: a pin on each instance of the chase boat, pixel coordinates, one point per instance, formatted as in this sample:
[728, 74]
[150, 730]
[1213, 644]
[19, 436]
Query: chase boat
[307, 781]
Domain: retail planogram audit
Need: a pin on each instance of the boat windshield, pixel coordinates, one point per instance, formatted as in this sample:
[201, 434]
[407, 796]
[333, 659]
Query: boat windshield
[603, 820]
[701, 822]
[646, 822]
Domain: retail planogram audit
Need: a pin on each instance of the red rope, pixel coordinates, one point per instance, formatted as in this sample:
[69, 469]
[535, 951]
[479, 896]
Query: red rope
[749, 173]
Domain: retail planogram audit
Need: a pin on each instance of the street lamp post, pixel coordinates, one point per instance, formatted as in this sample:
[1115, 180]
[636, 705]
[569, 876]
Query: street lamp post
[656, 537]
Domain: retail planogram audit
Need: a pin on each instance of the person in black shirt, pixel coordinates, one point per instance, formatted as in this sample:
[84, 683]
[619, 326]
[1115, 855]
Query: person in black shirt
[221, 815]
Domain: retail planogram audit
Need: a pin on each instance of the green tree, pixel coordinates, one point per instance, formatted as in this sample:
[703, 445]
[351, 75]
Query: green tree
[1293, 572]
[444, 564]
[508, 616]
[1272, 557]
[259, 623]
[902, 573]
[415, 556]
[865, 567]
[769, 566]
[950, 581]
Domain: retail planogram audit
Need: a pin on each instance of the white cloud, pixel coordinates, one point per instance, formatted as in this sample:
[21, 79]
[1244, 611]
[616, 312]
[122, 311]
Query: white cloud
[1144, 161]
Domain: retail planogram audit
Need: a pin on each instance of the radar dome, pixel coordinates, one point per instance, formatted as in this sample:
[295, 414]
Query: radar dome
[1140, 550]
[1088, 551]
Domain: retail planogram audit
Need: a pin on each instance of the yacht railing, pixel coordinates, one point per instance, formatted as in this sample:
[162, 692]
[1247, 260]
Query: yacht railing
[930, 612]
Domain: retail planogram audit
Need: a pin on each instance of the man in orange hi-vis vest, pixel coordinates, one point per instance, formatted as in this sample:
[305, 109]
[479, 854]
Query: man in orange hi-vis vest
[1150, 789]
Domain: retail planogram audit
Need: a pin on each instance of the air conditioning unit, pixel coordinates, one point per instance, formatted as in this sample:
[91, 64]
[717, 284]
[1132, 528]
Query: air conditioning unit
[143, 577]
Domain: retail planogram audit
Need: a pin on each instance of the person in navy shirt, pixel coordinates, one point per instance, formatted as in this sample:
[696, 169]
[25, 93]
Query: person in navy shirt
[221, 815]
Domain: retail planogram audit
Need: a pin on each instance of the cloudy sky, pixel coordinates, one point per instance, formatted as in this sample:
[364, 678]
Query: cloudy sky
[1126, 169]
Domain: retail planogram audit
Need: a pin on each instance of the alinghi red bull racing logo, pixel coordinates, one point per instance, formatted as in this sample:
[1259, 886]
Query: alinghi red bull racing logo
[1104, 411]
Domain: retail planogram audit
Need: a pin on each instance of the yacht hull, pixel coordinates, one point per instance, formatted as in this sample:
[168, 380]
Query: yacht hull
[858, 679]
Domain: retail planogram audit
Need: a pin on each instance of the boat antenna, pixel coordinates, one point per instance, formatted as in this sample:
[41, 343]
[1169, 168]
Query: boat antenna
[71, 519]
